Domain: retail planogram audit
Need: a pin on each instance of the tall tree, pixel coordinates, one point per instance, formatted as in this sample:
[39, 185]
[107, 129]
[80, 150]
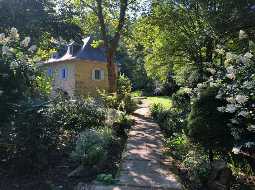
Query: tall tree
[111, 20]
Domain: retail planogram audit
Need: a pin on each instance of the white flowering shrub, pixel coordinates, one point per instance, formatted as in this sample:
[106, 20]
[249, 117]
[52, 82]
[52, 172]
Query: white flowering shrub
[234, 75]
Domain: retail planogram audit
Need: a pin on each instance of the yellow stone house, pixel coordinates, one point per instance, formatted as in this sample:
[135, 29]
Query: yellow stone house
[78, 69]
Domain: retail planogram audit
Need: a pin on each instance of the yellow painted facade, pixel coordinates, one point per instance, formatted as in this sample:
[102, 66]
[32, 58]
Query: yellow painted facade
[85, 84]
[80, 80]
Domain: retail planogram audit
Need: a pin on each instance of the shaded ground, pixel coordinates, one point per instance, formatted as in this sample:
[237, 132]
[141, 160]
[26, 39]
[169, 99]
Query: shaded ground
[144, 166]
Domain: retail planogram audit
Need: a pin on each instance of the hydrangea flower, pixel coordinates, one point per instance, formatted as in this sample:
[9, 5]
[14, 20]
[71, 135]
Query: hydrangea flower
[231, 108]
[14, 34]
[211, 70]
[242, 35]
[241, 99]
[236, 150]
[25, 42]
[248, 55]
[2, 38]
[243, 113]
[231, 76]
[6, 50]
[231, 100]
[32, 48]
[221, 109]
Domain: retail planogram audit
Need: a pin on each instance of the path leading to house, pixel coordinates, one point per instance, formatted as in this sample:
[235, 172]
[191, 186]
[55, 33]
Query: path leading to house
[143, 166]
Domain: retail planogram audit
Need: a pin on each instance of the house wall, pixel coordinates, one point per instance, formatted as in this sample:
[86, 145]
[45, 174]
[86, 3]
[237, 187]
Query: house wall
[68, 84]
[85, 85]
[79, 77]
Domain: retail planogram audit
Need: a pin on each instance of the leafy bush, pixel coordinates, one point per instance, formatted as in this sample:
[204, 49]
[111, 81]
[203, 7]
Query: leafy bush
[78, 114]
[169, 120]
[206, 125]
[123, 123]
[193, 158]
[155, 110]
[105, 179]
[181, 101]
[122, 100]
[91, 146]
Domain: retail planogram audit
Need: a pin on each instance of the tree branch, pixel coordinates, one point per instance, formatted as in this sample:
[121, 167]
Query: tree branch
[102, 23]
[123, 8]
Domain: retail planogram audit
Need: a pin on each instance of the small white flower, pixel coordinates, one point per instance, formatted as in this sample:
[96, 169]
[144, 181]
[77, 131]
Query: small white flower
[244, 114]
[236, 150]
[231, 100]
[230, 69]
[220, 51]
[211, 70]
[25, 42]
[234, 121]
[248, 55]
[248, 84]
[2, 38]
[1, 92]
[231, 56]
[241, 99]
[231, 108]
[32, 48]
[242, 35]
[221, 109]
[14, 33]
[251, 127]
[6, 50]
[231, 76]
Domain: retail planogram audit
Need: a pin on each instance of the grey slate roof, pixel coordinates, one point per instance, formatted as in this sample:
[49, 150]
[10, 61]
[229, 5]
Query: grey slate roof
[86, 52]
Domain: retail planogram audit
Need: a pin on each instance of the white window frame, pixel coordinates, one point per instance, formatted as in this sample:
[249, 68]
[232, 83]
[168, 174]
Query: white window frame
[101, 74]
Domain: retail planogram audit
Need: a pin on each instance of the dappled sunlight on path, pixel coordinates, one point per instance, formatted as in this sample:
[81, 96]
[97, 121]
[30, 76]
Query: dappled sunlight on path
[144, 166]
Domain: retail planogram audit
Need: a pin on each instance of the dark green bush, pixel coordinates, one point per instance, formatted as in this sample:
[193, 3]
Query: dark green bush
[30, 138]
[121, 126]
[37, 132]
[77, 115]
[181, 101]
[206, 125]
[169, 120]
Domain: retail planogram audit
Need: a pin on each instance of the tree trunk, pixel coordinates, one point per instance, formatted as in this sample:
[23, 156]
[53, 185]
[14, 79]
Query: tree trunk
[112, 75]
[209, 50]
[210, 155]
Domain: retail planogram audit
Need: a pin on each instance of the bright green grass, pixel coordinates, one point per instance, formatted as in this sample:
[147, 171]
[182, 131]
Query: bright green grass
[136, 93]
[164, 100]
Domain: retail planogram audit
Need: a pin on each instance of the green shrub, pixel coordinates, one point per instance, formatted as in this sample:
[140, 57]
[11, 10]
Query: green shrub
[30, 138]
[108, 100]
[171, 122]
[155, 110]
[123, 87]
[123, 123]
[206, 125]
[122, 100]
[181, 101]
[105, 179]
[77, 115]
[91, 146]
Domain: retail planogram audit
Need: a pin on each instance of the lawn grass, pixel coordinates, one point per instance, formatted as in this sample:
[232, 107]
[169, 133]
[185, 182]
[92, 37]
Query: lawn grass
[164, 100]
[137, 93]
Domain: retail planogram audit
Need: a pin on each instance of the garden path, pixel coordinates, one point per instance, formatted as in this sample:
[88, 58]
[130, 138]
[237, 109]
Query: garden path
[144, 166]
